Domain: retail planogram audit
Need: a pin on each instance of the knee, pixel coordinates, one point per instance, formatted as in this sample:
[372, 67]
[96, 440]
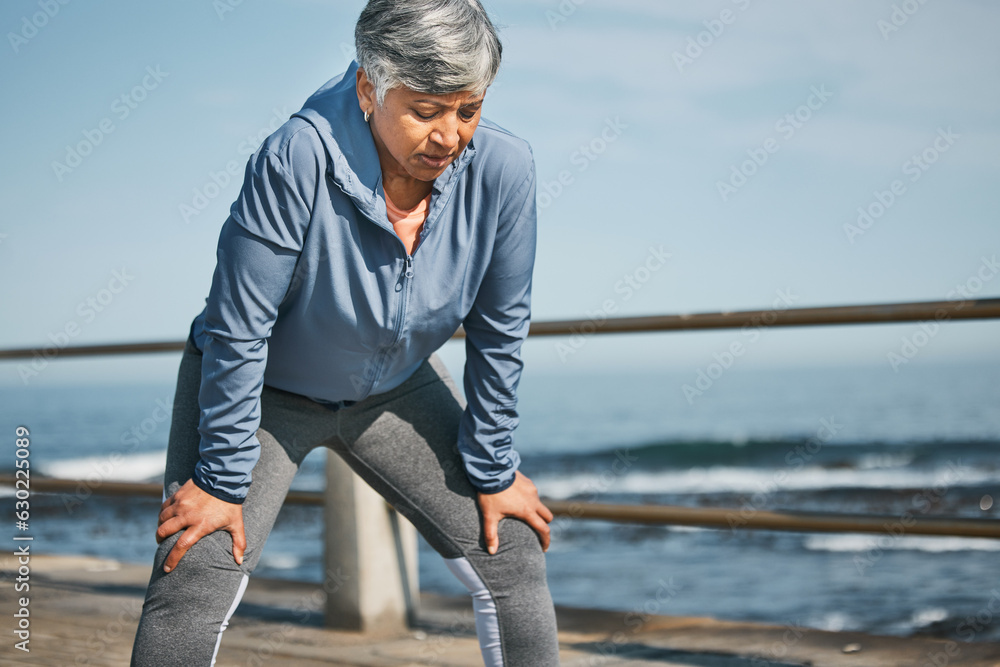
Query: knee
[518, 535]
[205, 575]
[521, 541]
[519, 561]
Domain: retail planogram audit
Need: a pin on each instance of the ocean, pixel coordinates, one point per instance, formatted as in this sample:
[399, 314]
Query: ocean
[921, 442]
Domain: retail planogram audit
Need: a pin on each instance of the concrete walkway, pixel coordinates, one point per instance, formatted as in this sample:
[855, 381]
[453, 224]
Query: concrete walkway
[84, 611]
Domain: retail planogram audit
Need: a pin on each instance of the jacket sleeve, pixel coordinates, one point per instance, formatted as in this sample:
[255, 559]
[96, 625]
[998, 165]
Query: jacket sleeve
[258, 249]
[495, 328]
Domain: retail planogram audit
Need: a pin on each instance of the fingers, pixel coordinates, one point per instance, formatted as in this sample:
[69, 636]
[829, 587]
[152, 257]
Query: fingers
[490, 521]
[539, 519]
[520, 501]
[545, 512]
[239, 542]
[167, 502]
[542, 528]
[534, 519]
[168, 527]
[186, 541]
[167, 512]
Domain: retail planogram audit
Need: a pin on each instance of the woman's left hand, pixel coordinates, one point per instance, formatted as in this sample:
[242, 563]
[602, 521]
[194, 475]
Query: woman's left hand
[519, 500]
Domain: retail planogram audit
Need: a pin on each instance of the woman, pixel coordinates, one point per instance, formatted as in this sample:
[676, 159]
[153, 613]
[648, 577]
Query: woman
[373, 223]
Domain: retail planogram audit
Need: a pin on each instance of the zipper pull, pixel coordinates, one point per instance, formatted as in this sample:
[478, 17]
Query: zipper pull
[409, 266]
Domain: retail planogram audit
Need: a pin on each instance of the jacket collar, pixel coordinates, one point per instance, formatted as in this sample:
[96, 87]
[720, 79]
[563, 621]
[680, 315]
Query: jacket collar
[353, 159]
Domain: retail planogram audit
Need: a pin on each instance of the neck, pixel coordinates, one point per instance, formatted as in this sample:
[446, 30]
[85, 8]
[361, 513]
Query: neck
[405, 193]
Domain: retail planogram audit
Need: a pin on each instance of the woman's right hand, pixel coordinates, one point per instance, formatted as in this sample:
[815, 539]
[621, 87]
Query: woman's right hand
[198, 514]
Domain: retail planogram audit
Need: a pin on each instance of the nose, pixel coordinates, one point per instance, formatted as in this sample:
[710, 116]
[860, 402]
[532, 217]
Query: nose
[445, 133]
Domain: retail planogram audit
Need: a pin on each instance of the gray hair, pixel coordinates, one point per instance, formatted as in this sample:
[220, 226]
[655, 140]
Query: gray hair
[430, 46]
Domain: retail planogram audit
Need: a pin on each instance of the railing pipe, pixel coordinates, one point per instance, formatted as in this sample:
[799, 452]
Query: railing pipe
[978, 309]
[728, 518]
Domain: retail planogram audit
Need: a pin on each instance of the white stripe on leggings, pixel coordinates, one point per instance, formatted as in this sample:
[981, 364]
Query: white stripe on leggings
[229, 614]
[485, 609]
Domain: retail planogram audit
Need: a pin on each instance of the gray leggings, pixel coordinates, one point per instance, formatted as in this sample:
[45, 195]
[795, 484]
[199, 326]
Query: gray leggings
[403, 443]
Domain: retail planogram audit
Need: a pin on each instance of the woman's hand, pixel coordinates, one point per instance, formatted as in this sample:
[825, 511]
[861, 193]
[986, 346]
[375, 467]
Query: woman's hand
[519, 500]
[198, 514]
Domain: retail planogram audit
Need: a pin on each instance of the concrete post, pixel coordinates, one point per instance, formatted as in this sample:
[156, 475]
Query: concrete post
[370, 556]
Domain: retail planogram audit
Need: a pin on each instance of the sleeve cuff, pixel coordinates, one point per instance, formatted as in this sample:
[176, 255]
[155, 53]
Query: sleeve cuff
[497, 487]
[221, 495]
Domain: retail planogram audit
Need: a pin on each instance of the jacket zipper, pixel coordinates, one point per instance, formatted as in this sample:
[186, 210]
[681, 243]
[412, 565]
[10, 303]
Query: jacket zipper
[400, 314]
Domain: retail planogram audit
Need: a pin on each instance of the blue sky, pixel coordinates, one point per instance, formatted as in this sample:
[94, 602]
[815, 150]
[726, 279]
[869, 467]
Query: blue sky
[737, 136]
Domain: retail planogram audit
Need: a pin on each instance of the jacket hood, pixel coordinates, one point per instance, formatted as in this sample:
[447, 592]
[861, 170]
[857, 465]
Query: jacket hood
[353, 159]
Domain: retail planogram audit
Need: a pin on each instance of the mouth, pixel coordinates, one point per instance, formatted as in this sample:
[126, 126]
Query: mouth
[434, 161]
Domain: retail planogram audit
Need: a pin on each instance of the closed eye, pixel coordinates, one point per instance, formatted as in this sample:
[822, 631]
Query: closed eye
[467, 114]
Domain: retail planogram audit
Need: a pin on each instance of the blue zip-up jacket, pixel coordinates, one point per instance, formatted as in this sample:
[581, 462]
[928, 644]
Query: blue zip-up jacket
[314, 293]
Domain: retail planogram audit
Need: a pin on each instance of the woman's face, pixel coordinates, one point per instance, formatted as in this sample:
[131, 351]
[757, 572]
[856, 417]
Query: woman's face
[418, 135]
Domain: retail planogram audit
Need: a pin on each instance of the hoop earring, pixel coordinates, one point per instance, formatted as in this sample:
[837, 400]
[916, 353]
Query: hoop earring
[367, 116]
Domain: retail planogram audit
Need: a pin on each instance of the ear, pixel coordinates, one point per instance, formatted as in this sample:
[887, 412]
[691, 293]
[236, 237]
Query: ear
[366, 92]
